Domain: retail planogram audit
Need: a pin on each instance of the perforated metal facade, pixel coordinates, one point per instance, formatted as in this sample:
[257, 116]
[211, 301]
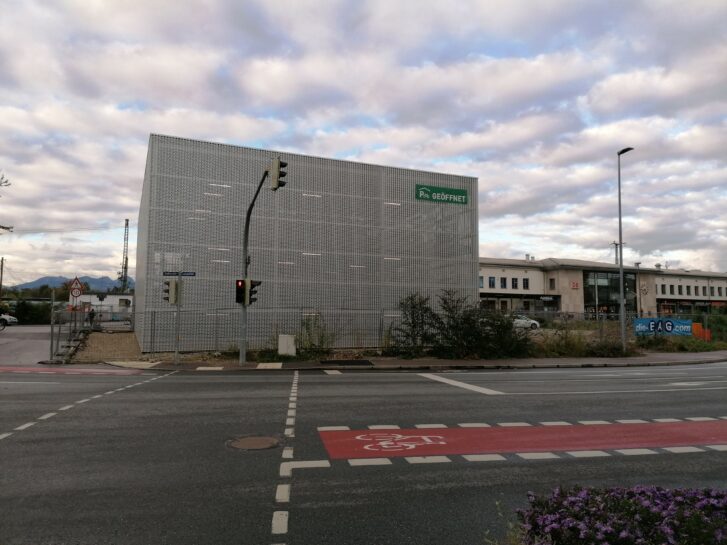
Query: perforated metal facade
[343, 241]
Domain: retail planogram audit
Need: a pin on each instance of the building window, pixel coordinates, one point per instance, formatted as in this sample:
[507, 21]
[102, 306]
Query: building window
[696, 291]
[719, 292]
[514, 283]
[552, 283]
[482, 282]
[689, 290]
[491, 281]
[704, 291]
[526, 283]
[711, 291]
[671, 289]
[503, 283]
[679, 289]
[663, 289]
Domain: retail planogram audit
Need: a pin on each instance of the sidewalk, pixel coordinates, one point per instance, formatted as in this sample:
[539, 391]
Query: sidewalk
[393, 364]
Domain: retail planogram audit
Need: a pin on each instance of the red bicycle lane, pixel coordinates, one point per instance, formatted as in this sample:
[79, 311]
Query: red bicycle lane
[446, 441]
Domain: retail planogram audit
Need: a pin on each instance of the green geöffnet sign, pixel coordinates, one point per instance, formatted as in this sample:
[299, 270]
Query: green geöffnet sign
[440, 194]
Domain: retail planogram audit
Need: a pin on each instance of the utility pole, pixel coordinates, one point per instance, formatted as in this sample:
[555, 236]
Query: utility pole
[2, 267]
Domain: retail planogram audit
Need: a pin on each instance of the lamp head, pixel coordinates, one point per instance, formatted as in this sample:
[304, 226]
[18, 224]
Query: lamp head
[625, 150]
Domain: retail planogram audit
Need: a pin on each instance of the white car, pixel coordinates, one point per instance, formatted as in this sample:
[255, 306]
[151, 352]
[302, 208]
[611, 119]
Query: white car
[524, 322]
[6, 319]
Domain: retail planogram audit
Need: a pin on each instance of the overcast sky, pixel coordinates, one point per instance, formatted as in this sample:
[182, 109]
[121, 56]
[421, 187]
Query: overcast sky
[533, 98]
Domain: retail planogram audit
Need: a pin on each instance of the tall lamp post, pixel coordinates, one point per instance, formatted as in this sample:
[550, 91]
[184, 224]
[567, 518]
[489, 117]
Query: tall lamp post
[638, 288]
[622, 301]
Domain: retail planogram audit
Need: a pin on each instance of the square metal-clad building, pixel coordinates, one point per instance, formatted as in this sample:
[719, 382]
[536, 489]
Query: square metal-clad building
[342, 242]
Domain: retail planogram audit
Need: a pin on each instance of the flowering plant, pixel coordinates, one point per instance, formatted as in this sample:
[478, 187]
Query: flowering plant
[642, 515]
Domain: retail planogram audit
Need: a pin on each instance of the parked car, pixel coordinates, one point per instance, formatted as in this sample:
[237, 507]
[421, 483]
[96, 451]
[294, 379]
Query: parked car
[525, 322]
[6, 319]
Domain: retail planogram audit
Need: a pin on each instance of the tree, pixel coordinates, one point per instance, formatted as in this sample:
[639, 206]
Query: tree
[4, 182]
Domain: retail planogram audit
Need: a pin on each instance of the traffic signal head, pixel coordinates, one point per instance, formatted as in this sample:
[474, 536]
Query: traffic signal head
[277, 173]
[239, 291]
[170, 291]
[251, 291]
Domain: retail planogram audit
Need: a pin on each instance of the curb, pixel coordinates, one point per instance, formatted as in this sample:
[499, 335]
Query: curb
[455, 367]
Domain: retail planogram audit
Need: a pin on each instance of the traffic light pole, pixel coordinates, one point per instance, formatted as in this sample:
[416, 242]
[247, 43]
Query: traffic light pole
[246, 261]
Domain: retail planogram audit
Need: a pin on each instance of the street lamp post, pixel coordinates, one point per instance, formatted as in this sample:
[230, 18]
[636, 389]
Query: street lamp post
[638, 288]
[622, 301]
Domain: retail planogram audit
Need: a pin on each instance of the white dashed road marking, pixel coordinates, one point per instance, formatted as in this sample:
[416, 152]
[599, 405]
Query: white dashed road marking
[282, 493]
[369, 462]
[635, 451]
[537, 455]
[683, 450]
[4, 435]
[427, 459]
[483, 457]
[47, 416]
[25, 426]
[280, 522]
[588, 453]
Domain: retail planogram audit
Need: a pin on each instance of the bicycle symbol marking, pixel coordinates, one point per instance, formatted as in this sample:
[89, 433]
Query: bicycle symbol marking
[392, 442]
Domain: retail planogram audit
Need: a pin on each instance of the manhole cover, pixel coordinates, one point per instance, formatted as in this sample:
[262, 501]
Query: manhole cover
[254, 443]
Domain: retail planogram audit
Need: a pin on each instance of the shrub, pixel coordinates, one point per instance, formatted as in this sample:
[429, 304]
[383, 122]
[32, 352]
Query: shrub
[607, 348]
[417, 330]
[314, 340]
[640, 515]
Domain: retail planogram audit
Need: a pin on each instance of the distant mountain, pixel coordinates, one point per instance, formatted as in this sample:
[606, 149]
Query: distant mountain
[104, 283]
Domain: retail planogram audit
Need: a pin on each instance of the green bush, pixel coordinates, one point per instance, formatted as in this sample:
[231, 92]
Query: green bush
[416, 332]
[460, 330]
[314, 340]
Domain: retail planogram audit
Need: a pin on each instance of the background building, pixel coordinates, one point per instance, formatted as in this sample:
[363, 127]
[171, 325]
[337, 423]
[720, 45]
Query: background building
[341, 243]
[591, 288]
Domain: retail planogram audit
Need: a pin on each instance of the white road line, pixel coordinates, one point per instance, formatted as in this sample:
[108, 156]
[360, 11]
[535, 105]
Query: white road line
[683, 450]
[667, 420]
[28, 382]
[97, 396]
[632, 421]
[286, 468]
[4, 435]
[280, 522]
[66, 408]
[483, 457]
[333, 428]
[556, 423]
[635, 451]
[291, 412]
[537, 455]
[700, 419]
[369, 462]
[717, 447]
[282, 493]
[427, 426]
[332, 372]
[25, 426]
[598, 392]
[588, 453]
[514, 424]
[289, 432]
[593, 422]
[108, 393]
[82, 401]
[210, 368]
[384, 427]
[463, 385]
[427, 459]
[473, 425]
[288, 452]
[290, 421]
[47, 416]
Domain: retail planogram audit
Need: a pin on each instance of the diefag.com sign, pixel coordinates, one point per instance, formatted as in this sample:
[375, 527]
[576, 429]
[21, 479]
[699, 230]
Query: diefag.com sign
[662, 326]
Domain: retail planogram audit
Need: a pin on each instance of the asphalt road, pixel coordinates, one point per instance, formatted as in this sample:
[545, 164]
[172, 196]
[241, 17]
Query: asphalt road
[24, 344]
[145, 458]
